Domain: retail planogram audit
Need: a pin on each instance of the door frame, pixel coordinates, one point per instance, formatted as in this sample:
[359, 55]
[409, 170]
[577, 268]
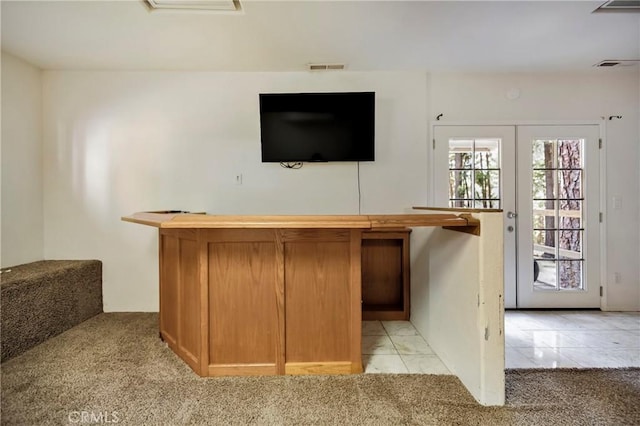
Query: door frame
[431, 190]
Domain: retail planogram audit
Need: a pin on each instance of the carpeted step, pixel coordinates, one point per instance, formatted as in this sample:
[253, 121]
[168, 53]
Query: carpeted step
[42, 299]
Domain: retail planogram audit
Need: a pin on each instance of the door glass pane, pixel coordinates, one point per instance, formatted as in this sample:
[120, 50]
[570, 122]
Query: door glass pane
[557, 214]
[570, 208]
[544, 244]
[570, 275]
[544, 214]
[460, 188]
[570, 184]
[474, 173]
[544, 184]
[569, 154]
[544, 219]
[544, 275]
[459, 160]
[486, 188]
[487, 154]
[570, 243]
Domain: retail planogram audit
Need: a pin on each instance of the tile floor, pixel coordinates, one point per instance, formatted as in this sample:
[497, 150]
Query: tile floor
[533, 339]
[572, 339]
[397, 347]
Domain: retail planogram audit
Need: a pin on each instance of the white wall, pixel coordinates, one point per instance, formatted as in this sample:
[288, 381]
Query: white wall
[569, 97]
[457, 290]
[21, 211]
[120, 142]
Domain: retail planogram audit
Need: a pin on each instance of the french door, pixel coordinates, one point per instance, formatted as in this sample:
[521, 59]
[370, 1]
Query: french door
[474, 167]
[558, 205]
[545, 179]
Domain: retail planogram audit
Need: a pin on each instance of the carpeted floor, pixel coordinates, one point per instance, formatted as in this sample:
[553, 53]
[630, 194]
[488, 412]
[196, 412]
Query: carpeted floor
[114, 369]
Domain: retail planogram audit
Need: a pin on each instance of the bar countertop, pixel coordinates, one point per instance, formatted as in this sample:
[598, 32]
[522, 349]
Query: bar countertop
[188, 220]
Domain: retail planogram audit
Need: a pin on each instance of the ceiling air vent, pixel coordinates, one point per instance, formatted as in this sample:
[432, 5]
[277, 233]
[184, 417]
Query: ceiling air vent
[620, 6]
[325, 67]
[194, 5]
[608, 63]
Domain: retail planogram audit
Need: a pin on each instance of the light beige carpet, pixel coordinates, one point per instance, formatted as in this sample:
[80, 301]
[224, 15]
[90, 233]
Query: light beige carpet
[113, 368]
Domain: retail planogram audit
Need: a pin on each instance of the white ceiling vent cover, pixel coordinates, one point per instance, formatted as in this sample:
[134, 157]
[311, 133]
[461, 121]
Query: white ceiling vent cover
[195, 5]
[325, 67]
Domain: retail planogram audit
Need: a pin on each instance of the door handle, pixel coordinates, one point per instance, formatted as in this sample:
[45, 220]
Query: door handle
[512, 215]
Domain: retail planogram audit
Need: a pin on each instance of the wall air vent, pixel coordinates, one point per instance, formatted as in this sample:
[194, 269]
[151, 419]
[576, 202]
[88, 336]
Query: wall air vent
[629, 6]
[194, 5]
[325, 67]
[609, 63]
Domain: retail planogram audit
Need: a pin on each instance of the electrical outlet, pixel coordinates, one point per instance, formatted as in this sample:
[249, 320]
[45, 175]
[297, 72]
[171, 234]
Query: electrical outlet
[616, 202]
[238, 179]
[617, 278]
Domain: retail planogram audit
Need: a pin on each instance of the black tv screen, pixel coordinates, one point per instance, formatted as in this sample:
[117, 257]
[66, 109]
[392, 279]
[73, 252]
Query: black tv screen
[298, 127]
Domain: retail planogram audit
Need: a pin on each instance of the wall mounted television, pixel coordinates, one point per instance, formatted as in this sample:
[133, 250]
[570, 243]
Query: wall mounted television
[318, 127]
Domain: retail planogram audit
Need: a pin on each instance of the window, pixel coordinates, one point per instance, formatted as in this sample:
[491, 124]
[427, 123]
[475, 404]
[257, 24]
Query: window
[474, 173]
[557, 214]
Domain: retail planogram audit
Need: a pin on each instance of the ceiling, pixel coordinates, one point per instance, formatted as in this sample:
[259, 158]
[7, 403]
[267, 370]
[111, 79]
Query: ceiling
[287, 35]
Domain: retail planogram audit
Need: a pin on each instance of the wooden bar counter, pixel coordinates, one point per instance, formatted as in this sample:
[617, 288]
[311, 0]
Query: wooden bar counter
[260, 295]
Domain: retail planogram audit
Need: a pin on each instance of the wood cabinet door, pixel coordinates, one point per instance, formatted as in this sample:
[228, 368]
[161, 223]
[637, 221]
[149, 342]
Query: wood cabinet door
[243, 310]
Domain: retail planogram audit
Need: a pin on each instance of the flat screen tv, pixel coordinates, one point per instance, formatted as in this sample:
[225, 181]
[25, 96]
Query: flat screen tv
[298, 127]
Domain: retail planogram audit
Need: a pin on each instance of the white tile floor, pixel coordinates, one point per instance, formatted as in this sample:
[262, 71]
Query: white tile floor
[533, 339]
[566, 339]
[397, 347]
